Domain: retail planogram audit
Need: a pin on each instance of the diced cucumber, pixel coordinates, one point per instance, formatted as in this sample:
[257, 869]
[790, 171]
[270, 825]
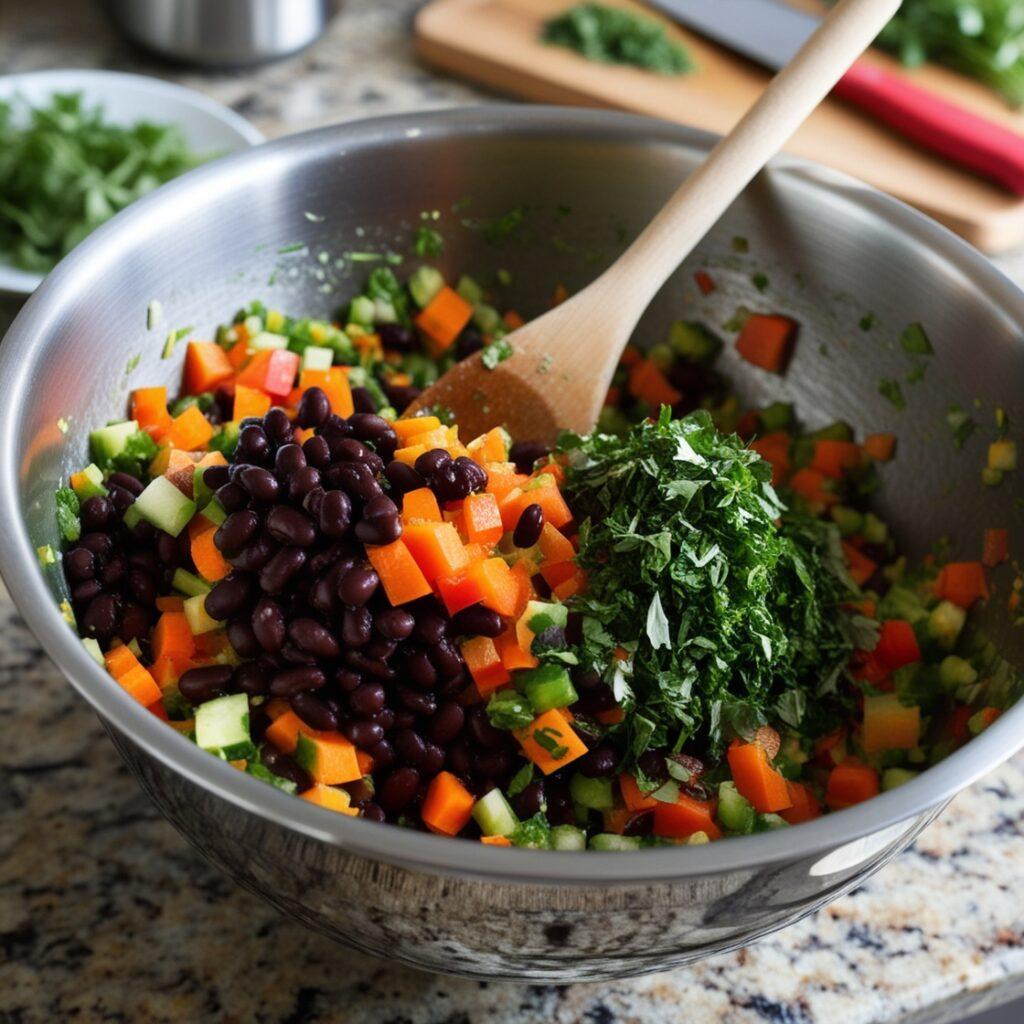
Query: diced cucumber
[361, 311]
[769, 822]
[694, 342]
[189, 583]
[568, 837]
[384, 312]
[226, 440]
[902, 603]
[424, 284]
[595, 794]
[131, 517]
[735, 812]
[198, 621]
[253, 325]
[893, 777]
[837, 431]
[107, 442]
[268, 340]
[777, 416]
[945, 623]
[487, 318]
[95, 652]
[541, 615]
[608, 841]
[494, 815]
[275, 320]
[222, 726]
[955, 672]
[875, 531]
[163, 505]
[547, 687]
[698, 839]
[133, 646]
[214, 512]
[470, 290]
[849, 520]
[316, 358]
[202, 493]
[991, 477]
[90, 484]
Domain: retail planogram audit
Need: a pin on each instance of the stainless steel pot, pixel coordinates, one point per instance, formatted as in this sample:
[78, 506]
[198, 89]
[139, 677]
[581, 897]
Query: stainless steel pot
[832, 249]
[222, 33]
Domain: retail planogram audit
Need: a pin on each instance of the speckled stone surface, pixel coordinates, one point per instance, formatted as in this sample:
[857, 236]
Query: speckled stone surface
[106, 914]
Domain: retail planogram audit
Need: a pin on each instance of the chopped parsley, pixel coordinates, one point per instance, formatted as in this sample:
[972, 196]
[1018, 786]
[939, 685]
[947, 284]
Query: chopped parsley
[961, 425]
[759, 281]
[548, 738]
[427, 242]
[67, 514]
[890, 389]
[915, 341]
[866, 322]
[521, 779]
[496, 352]
[508, 710]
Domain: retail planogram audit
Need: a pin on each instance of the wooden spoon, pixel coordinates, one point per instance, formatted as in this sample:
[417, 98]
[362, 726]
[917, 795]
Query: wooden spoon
[562, 362]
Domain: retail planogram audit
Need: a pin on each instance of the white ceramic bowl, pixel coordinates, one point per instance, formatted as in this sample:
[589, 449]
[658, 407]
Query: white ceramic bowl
[208, 126]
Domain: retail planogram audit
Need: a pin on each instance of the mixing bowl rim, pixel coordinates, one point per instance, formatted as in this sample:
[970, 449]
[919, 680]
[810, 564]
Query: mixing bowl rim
[883, 816]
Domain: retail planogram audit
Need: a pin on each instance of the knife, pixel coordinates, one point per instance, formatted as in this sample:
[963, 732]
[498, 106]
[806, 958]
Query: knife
[770, 33]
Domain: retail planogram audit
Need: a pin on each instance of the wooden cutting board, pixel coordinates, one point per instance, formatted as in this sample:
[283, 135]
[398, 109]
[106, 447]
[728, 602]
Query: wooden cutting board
[497, 43]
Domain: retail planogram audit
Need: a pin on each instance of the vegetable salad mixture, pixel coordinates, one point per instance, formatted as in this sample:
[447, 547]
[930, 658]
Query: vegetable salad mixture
[686, 626]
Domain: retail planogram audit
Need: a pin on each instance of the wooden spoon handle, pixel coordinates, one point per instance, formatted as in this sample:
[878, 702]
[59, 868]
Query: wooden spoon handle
[698, 204]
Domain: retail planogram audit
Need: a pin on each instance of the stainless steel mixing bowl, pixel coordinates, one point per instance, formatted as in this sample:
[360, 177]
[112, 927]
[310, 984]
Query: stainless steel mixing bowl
[832, 249]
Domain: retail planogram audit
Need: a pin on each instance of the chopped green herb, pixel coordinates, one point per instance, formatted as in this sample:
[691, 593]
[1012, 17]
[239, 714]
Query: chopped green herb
[427, 242]
[891, 390]
[915, 341]
[154, 314]
[67, 514]
[496, 352]
[535, 832]
[507, 226]
[503, 276]
[132, 363]
[960, 424]
[759, 281]
[916, 373]
[548, 738]
[172, 340]
[291, 247]
[509, 709]
[740, 244]
[521, 779]
[867, 321]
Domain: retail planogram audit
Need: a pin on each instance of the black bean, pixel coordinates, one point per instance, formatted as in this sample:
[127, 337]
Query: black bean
[316, 713]
[145, 561]
[420, 670]
[598, 698]
[83, 593]
[130, 483]
[284, 766]
[277, 426]
[396, 338]
[451, 685]
[383, 754]
[402, 395]
[95, 513]
[367, 699]
[350, 450]
[495, 763]
[214, 476]
[373, 812]
[113, 572]
[361, 792]
[322, 594]
[202, 684]
[375, 463]
[356, 479]
[530, 800]
[430, 462]
[335, 514]
[409, 745]
[314, 408]
[120, 499]
[447, 486]
[394, 623]
[382, 649]
[311, 636]
[256, 555]
[228, 596]
[290, 526]
[141, 588]
[274, 576]
[289, 459]
[598, 763]
[431, 627]
[356, 626]
[253, 446]
[447, 722]
[476, 620]
[560, 806]
[419, 702]
[313, 499]
[363, 733]
[297, 680]
[369, 666]
[301, 483]
[469, 474]
[368, 426]
[347, 680]
[80, 564]
[458, 760]
[295, 655]
[480, 728]
[363, 400]
[268, 625]
[402, 477]
[135, 623]
[446, 658]
[398, 789]
[357, 586]
[385, 718]
[260, 483]
[470, 340]
[529, 526]
[379, 530]
[526, 453]
[98, 543]
[236, 531]
[252, 678]
[317, 451]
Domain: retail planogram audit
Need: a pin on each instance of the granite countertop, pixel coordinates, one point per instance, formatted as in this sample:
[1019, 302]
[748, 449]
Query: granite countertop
[107, 914]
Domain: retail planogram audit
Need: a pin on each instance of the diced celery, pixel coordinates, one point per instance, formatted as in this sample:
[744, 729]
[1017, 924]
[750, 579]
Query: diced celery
[945, 623]
[189, 583]
[267, 340]
[470, 290]
[424, 284]
[547, 687]
[698, 839]
[361, 311]
[91, 484]
[875, 531]
[991, 477]
[494, 815]
[46, 555]
[214, 512]
[316, 358]
[131, 517]
[487, 318]
[769, 822]
[893, 777]
[163, 505]
[693, 341]
[253, 325]
[955, 672]
[849, 520]
[384, 312]
[902, 603]
[568, 837]
[93, 647]
[198, 621]
[133, 646]
[595, 794]
[608, 841]
[275, 320]
[735, 812]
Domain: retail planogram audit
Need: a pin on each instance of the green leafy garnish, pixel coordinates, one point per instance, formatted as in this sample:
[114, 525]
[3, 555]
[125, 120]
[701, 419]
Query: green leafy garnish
[890, 389]
[549, 739]
[521, 779]
[67, 514]
[759, 281]
[509, 709]
[866, 322]
[915, 341]
[427, 242]
[384, 286]
[535, 832]
[64, 170]
[960, 424]
[611, 35]
[496, 352]
[679, 535]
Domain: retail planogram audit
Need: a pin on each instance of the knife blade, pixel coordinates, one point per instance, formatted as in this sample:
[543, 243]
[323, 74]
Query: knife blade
[770, 33]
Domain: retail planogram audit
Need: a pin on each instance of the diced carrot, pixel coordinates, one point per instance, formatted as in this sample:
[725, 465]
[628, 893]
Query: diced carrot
[963, 583]
[447, 806]
[496, 585]
[131, 676]
[648, 383]
[482, 519]
[550, 741]
[484, 664]
[249, 402]
[810, 485]
[889, 724]
[172, 638]
[170, 603]
[496, 840]
[401, 577]
[328, 757]
[513, 655]
[410, 453]
[567, 588]
[436, 547]
[861, 567]
[632, 797]
[331, 798]
[559, 295]
[513, 321]
[616, 820]
[865, 607]
[555, 546]
[209, 562]
[774, 448]
[897, 644]
[835, 458]
[756, 779]
[767, 341]
[190, 431]
[209, 645]
[443, 318]
[406, 429]
[685, 817]
[490, 447]
[167, 671]
[880, 447]
[557, 572]
[996, 547]
[421, 504]
[542, 491]
[804, 803]
[849, 783]
[157, 708]
[460, 590]
[120, 660]
[334, 384]
[149, 410]
[238, 355]
[610, 717]
[364, 761]
[704, 282]
[206, 366]
[631, 356]
[502, 479]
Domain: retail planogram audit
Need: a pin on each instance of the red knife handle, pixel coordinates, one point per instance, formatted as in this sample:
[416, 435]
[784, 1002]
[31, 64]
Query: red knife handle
[974, 142]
